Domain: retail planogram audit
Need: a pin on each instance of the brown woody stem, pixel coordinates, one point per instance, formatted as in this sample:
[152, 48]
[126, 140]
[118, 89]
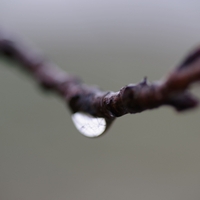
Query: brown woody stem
[132, 98]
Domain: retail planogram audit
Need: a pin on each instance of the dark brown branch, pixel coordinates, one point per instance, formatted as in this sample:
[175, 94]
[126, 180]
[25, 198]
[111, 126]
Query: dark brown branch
[133, 98]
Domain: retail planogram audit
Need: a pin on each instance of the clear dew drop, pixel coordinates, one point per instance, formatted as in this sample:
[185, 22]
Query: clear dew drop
[88, 125]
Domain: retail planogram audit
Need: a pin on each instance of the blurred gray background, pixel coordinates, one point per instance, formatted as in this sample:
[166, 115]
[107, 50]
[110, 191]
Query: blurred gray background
[149, 156]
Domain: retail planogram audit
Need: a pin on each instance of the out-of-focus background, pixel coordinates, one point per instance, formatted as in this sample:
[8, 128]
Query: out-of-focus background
[149, 156]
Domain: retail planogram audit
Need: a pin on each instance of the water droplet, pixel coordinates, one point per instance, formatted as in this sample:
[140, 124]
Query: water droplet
[88, 125]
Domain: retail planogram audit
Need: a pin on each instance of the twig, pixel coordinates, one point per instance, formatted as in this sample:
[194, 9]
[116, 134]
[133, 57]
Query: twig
[133, 98]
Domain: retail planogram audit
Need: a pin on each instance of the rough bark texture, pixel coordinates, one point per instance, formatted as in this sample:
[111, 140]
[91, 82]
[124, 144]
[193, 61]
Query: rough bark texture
[133, 98]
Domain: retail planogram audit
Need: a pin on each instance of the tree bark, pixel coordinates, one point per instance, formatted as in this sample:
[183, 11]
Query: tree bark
[172, 90]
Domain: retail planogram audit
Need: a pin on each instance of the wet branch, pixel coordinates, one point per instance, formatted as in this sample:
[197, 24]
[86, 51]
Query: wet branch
[171, 90]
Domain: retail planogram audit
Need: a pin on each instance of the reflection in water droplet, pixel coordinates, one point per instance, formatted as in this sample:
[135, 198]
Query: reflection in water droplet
[88, 125]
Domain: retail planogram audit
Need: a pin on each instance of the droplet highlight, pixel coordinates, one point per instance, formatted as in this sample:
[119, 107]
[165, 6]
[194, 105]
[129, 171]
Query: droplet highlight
[88, 125]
